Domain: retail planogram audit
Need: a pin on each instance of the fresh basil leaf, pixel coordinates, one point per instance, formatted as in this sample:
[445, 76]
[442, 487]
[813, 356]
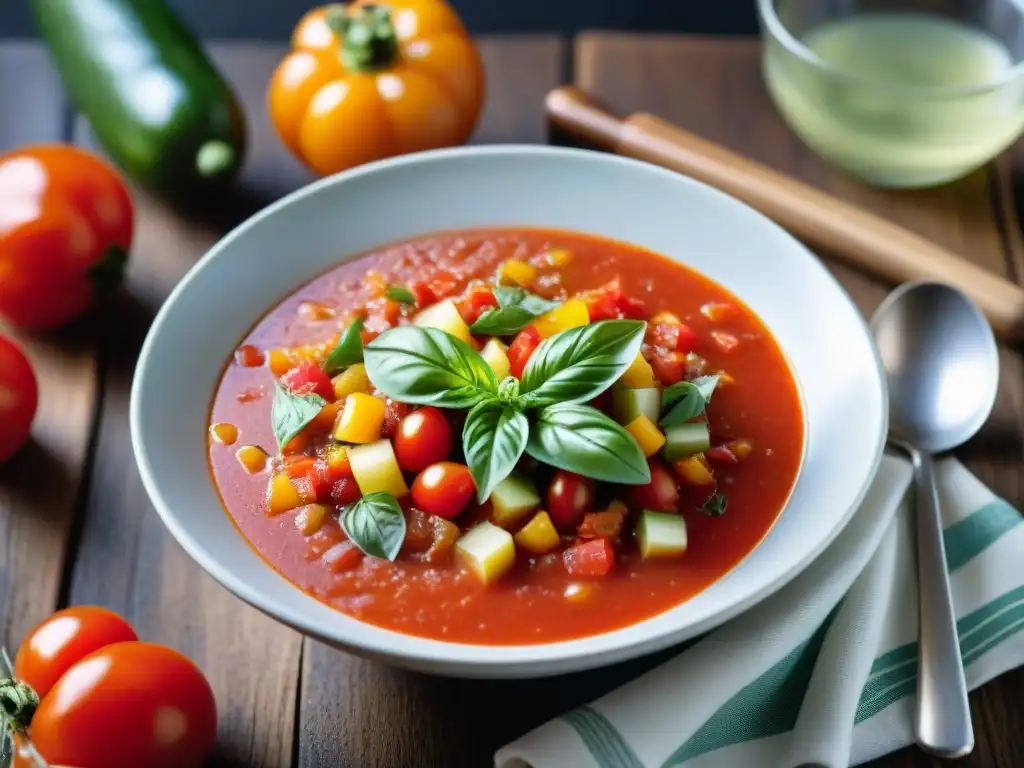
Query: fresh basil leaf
[426, 366]
[375, 524]
[716, 505]
[583, 440]
[348, 351]
[401, 294]
[290, 413]
[579, 364]
[686, 399]
[493, 439]
[517, 308]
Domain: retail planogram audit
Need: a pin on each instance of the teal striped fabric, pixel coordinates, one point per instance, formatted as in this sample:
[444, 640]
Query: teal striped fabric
[771, 704]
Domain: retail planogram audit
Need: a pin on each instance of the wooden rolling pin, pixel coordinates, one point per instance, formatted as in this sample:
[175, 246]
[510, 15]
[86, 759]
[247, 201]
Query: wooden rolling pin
[863, 240]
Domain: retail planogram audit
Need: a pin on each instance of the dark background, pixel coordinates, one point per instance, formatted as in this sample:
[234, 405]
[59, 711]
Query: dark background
[274, 19]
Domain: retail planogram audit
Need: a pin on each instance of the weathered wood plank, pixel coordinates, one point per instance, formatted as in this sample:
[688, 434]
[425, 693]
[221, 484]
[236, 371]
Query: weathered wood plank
[728, 103]
[40, 488]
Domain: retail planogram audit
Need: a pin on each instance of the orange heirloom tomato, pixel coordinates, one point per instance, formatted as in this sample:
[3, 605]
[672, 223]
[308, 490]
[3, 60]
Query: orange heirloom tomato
[372, 80]
[65, 230]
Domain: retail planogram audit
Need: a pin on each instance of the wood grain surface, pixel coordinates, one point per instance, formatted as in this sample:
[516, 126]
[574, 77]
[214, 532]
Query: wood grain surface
[78, 527]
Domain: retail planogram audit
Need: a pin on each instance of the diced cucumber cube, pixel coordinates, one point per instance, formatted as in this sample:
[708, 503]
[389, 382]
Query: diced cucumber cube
[660, 535]
[686, 440]
[629, 404]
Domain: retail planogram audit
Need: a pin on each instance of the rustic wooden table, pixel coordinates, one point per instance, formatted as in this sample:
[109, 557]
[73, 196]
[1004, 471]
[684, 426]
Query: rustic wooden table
[78, 527]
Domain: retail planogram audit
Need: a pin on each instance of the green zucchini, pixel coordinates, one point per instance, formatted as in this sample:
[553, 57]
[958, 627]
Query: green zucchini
[159, 108]
[685, 440]
[660, 535]
[629, 404]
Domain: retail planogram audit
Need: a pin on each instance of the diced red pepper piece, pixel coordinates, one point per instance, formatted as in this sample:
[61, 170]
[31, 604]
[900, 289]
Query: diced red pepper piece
[342, 556]
[602, 307]
[723, 454]
[307, 378]
[346, 491]
[479, 299]
[606, 524]
[592, 558]
[249, 356]
[668, 366]
[521, 348]
[443, 284]
[423, 293]
[630, 308]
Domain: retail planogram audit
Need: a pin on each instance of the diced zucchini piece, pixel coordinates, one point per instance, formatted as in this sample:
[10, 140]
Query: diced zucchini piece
[361, 419]
[539, 535]
[352, 379]
[375, 468]
[495, 354]
[445, 317]
[639, 375]
[660, 535]
[282, 495]
[570, 314]
[627, 404]
[512, 500]
[487, 550]
[647, 435]
[686, 440]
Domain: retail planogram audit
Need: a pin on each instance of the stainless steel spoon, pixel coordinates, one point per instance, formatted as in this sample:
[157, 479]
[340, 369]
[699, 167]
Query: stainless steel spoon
[942, 368]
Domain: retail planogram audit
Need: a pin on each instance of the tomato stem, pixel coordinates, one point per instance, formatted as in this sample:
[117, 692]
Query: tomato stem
[19, 702]
[368, 38]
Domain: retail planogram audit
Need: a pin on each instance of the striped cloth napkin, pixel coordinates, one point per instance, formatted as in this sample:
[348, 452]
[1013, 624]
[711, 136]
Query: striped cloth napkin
[824, 672]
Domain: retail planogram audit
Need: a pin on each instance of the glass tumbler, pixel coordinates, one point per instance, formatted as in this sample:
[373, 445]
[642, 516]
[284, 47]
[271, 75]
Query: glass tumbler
[901, 93]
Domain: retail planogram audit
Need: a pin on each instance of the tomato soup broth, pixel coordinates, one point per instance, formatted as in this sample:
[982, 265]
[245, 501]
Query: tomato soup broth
[754, 418]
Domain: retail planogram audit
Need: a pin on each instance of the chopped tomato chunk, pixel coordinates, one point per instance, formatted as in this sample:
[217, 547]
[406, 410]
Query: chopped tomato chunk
[478, 300]
[725, 341]
[669, 367]
[521, 348]
[345, 491]
[249, 356]
[722, 453]
[342, 556]
[307, 378]
[424, 295]
[606, 524]
[591, 558]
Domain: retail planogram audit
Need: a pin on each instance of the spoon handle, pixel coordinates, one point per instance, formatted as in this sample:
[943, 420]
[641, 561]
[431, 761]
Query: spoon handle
[943, 714]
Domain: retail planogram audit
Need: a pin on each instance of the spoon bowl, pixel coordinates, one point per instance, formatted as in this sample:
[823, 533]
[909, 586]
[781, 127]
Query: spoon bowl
[941, 365]
[942, 369]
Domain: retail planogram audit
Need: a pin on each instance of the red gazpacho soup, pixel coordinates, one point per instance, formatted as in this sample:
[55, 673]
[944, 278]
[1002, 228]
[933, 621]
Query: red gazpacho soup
[506, 436]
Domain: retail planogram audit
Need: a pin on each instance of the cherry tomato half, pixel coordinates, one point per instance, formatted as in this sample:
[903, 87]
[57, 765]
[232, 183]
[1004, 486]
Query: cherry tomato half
[308, 378]
[659, 495]
[64, 638]
[128, 705]
[424, 437]
[19, 397]
[570, 496]
[443, 489]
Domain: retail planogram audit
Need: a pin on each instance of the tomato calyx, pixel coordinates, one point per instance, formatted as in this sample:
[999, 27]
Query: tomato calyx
[19, 702]
[368, 39]
[107, 274]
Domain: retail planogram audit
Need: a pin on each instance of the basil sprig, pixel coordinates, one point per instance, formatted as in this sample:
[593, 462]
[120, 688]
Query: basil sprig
[426, 366]
[517, 308]
[348, 351]
[401, 294]
[541, 415]
[716, 505]
[686, 399]
[290, 413]
[579, 364]
[375, 524]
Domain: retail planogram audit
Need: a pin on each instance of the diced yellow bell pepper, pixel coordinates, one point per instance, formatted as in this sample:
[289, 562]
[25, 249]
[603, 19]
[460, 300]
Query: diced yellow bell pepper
[445, 316]
[487, 550]
[282, 495]
[647, 435]
[694, 470]
[578, 592]
[375, 468]
[724, 380]
[559, 257]
[539, 535]
[361, 419]
[639, 375]
[668, 318]
[572, 314]
[740, 448]
[252, 458]
[311, 518]
[225, 434]
[352, 379]
[280, 361]
[516, 272]
[324, 420]
[336, 457]
[495, 354]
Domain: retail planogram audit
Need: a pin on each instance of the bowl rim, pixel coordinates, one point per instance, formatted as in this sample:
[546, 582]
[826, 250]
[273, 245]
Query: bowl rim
[427, 653]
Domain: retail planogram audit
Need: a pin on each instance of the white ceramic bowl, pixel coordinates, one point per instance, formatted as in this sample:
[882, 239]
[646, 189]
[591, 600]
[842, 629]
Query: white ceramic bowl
[282, 247]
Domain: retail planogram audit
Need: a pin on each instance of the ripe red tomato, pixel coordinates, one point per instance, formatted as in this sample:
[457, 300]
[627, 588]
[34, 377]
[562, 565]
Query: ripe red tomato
[19, 397]
[591, 558]
[424, 437]
[443, 489]
[63, 639]
[659, 495]
[570, 497]
[307, 378]
[521, 348]
[128, 705]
